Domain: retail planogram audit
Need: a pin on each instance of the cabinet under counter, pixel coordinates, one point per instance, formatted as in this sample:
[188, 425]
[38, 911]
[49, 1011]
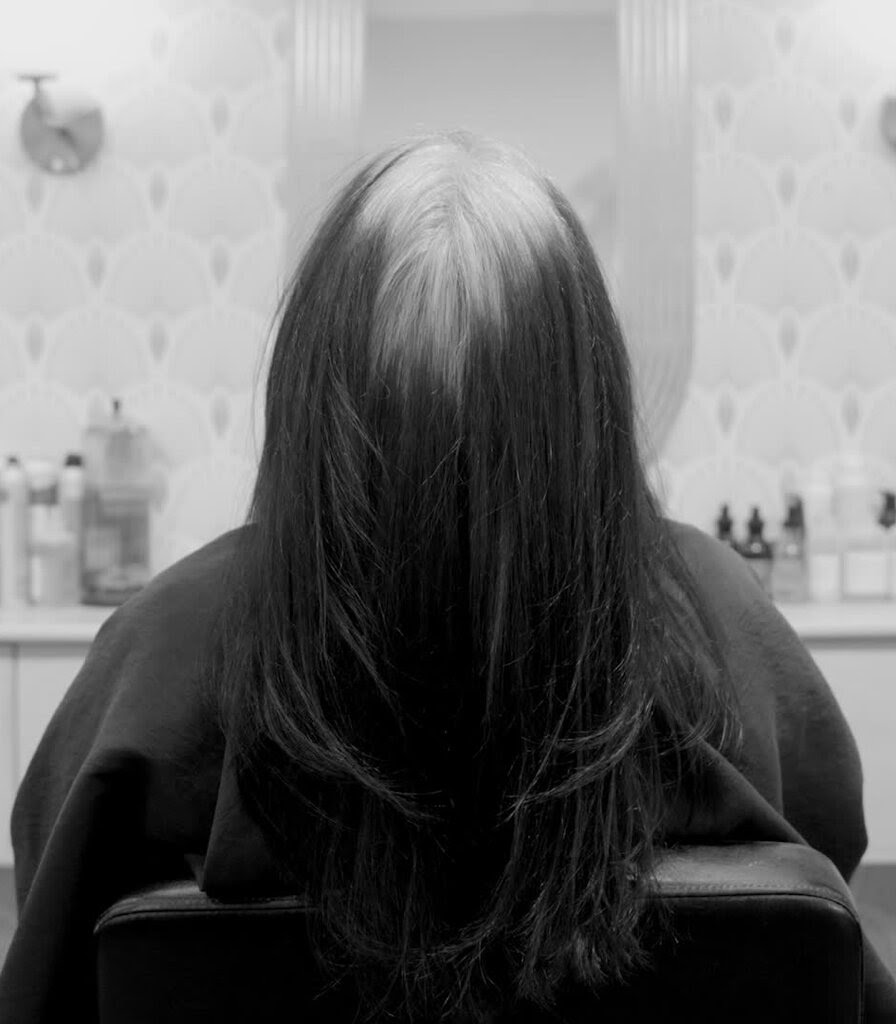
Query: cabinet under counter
[853, 643]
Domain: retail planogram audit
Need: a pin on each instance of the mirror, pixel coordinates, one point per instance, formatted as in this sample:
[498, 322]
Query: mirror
[596, 91]
[542, 76]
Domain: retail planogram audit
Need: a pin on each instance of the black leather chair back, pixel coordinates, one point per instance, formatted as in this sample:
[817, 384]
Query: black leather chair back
[763, 932]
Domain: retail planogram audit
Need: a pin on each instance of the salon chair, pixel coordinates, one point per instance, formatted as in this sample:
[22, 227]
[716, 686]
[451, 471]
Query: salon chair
[761, 932]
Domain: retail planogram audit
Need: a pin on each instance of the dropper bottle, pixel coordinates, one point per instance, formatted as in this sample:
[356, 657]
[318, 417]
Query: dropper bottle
[790, 580]
[725, 528]
[757, 550]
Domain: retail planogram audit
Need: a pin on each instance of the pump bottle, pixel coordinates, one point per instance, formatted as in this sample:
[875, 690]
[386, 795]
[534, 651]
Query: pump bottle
[116, 509]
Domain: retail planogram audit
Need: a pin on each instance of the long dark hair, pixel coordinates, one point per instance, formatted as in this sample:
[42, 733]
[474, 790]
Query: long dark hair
[463, 669]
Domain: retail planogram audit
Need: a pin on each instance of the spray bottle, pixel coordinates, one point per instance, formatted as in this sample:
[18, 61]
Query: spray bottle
[13, 535]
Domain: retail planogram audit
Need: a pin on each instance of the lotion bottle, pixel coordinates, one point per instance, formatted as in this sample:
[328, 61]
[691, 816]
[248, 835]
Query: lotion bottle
[822, 539]
[71, 504]
[864, 563]
[51, 548]
[13, 535]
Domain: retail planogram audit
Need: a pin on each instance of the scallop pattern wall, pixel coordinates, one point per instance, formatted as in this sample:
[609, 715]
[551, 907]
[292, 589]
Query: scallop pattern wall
[153, 275]
[795, 358]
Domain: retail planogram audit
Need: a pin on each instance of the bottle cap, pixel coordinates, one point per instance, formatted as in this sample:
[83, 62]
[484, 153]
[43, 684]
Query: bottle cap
[74, 459]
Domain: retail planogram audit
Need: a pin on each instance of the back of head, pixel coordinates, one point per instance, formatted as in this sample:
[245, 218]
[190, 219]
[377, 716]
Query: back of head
[460, 631]
[449, 357]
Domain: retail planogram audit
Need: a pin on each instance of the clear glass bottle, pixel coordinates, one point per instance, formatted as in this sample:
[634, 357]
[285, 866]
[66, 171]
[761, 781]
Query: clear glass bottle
[757, 550]
[789, 573]
[116, 511]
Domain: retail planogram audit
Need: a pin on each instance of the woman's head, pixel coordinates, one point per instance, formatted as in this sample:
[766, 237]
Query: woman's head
[434, 246]
[449, 383]
[459, 635]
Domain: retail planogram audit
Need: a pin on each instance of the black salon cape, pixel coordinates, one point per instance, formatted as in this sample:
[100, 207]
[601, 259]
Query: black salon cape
[130, 783]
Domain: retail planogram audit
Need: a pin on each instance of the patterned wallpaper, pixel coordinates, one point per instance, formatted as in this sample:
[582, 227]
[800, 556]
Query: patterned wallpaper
[795, 359]
[153, 274]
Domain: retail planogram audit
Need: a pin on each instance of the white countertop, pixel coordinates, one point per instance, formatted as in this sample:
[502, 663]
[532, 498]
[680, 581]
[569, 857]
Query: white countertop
[76, 624]
[841, 620]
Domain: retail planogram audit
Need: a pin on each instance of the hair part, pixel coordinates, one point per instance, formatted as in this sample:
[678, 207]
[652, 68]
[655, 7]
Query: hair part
[462, 667]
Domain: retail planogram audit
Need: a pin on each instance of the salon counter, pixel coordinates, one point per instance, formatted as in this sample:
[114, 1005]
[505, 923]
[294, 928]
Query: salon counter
[854, 644]
[41, 652]
[70, 625]
[843, 621]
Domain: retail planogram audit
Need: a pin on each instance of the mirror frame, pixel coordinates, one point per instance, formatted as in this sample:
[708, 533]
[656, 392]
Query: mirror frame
[656, 235]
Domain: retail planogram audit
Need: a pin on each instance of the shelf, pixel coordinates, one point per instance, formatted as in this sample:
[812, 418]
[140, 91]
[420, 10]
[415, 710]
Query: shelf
[849, 620]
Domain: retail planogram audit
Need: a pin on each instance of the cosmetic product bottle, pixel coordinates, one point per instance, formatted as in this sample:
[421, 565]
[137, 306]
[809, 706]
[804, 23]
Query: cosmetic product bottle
[789, 574]
[887, 521]
[13, 535]
[71, 504]
[757, 551]
[117, 494]
[863, 552]
[51, 548]
[822, 539]
[71, 493]
[725, 528]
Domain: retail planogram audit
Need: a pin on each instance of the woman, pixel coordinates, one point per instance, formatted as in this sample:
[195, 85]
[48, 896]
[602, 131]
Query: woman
[456, 640]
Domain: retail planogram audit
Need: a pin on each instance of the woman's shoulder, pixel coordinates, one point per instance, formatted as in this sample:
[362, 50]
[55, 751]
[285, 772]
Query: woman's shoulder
[717, 569]
[183, 599]
[758, 640]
